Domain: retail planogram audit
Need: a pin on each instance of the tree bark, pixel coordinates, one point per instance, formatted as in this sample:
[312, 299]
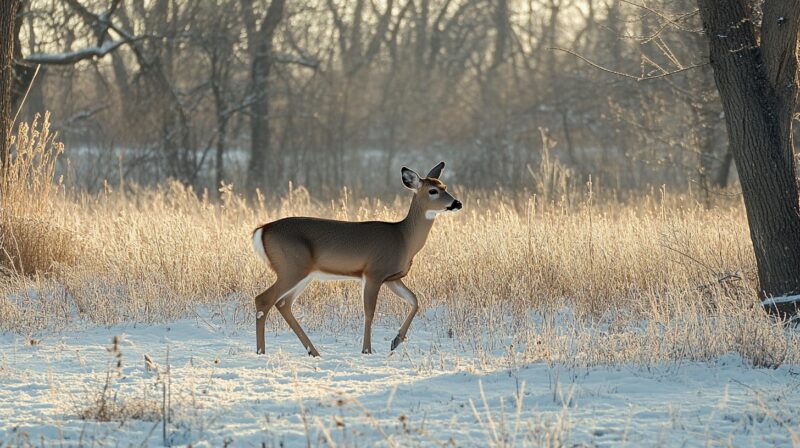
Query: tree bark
[23, 72]
[757, 83]
[8, 16]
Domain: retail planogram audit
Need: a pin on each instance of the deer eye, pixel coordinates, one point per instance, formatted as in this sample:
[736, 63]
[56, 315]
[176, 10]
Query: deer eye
[433, 191]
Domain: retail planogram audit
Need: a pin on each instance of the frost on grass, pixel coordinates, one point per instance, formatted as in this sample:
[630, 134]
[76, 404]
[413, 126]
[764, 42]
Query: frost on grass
[122, 410]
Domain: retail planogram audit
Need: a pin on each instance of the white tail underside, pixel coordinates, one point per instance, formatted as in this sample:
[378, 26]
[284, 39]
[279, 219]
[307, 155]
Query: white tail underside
[258, 245]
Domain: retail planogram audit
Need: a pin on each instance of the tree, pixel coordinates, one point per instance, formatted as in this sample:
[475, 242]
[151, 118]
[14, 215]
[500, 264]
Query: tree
[8, 14]
[217, 40]
[18, 72]
[755, 69]
[260, 44]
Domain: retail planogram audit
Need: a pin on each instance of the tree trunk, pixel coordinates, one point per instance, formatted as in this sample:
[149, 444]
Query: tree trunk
[725, 170]
[261, 44]
[757, 83]
[8, 14]
[23, 73]
[222, 131]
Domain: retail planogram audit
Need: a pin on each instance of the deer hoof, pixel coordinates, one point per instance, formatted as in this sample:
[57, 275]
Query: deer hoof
[397, 341]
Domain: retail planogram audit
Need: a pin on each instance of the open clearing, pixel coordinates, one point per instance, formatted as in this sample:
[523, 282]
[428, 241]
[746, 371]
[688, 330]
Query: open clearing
[542, 323]
[432, 391]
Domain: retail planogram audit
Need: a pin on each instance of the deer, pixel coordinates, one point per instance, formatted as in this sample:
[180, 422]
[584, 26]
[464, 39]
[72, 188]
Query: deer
[302, 249]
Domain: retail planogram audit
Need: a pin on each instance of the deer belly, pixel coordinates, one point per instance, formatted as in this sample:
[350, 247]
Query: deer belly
[327, 276]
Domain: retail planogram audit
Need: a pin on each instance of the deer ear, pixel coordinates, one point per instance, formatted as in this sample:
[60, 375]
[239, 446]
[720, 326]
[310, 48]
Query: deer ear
[436, 171]
[411, 179]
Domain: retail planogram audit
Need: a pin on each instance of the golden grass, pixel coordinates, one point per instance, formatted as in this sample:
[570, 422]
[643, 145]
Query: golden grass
[659, 278]
[30, 241]
[602, 282]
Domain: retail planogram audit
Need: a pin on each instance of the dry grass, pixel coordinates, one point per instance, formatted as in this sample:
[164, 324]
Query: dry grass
[597, 281]
[108, 406]
[30, 241]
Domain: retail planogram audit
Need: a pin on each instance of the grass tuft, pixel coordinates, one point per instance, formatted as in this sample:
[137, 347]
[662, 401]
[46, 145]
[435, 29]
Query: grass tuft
[31, 240]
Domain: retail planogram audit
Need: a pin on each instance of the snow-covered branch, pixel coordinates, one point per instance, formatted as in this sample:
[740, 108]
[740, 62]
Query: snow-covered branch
[71, 57]
[783, 306]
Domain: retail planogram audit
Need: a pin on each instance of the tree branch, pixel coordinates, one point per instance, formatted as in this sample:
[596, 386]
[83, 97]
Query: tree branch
[72, 57]
[628, 75]
[305, 61]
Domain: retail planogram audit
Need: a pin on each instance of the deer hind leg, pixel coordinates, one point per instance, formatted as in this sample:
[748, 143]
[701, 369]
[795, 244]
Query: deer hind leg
[284, 286]
[264, 302]
[285, 308]
[370, 296]
[399, 288]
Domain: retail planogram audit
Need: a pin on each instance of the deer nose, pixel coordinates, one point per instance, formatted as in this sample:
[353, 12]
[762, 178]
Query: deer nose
[456, 205]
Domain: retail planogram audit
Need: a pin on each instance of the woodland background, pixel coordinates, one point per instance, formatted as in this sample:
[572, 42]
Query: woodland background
[320, 92]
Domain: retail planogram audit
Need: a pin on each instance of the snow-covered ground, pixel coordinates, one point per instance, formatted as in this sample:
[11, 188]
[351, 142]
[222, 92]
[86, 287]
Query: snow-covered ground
[431, 392]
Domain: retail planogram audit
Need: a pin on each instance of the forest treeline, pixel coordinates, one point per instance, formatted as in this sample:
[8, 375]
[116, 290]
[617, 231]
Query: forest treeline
[260, 93]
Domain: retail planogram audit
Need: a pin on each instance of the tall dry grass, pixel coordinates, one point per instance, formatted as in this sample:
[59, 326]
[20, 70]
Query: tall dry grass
[581, 281]
[31, 240]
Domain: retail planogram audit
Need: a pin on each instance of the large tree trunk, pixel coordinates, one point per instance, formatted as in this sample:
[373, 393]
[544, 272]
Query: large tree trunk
[23, 73]
[757, 82]
[8, 15]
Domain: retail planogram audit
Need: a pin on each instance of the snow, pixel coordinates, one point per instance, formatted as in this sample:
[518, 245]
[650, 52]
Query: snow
[430, 391]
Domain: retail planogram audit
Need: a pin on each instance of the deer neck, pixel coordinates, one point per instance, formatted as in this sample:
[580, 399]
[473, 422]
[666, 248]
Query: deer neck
[415, 227]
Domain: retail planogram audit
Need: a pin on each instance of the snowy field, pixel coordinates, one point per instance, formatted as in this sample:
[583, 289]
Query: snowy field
[433, 391]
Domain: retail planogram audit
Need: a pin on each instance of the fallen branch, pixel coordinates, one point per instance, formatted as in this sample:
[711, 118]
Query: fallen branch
[784, 307]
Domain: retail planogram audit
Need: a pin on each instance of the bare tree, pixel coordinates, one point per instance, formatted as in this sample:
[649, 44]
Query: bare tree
[185, 95]
[755, 68]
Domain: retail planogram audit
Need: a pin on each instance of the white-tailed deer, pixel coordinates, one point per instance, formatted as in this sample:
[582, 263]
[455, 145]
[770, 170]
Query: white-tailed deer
[375, 252]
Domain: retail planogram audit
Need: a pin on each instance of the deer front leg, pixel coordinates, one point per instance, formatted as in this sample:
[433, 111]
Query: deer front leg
[370, 295]
[399, 288]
